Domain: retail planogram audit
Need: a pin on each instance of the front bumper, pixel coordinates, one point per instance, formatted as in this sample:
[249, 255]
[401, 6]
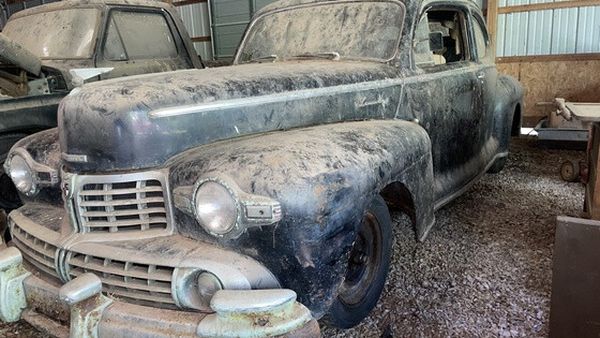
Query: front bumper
[80, 302]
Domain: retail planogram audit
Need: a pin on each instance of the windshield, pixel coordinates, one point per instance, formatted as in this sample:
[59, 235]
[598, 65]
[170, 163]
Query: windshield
[62, 34]
[364, 30]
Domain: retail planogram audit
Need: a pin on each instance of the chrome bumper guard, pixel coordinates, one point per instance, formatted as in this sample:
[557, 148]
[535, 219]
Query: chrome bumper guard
[238, 313]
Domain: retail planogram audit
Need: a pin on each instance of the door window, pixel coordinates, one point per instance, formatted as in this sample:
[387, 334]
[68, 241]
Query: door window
[138, 35]
[440, 38]
[481, 39]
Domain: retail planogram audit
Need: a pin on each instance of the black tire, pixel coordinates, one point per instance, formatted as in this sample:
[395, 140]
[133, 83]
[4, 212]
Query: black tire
[368, 267]
[498, 165]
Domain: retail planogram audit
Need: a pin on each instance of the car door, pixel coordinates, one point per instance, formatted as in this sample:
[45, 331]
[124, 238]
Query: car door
[443, 96]
[140, 41]
[487, 76]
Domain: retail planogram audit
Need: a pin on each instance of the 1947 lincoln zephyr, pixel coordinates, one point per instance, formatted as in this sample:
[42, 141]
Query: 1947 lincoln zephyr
[253, 199]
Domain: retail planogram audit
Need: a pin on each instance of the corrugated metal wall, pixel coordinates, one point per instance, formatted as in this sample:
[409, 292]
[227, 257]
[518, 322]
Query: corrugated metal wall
[196, 21]
[229, 21]
[544, 32]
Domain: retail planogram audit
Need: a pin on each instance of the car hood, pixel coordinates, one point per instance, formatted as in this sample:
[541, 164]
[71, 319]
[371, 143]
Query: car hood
[142, 121]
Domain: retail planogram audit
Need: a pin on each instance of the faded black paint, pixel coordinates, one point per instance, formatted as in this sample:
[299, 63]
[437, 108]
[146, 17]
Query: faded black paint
[323, 172]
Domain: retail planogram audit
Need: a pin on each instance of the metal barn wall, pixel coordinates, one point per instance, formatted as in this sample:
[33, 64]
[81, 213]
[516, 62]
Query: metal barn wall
[547, 32]
[552, 48]
[196, 20]
[229, 21]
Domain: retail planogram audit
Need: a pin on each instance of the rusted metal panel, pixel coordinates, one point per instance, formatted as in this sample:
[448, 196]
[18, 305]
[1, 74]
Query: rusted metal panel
[575, 310]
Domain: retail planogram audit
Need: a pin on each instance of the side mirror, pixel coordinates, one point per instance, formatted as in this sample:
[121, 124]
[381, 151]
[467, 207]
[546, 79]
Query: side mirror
[436, 41]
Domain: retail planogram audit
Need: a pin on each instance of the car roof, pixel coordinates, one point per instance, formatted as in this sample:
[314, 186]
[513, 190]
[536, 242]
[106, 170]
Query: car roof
[288, 3]
[68, 4]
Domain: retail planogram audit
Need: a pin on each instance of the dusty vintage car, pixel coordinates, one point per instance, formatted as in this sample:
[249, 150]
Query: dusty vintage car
[47, 50]
[204, 201]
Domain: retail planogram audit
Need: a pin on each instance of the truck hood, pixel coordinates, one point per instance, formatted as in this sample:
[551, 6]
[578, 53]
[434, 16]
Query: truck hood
[142, 121]
[13, 53]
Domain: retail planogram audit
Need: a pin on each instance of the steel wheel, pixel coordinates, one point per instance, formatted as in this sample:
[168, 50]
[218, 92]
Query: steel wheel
[368, 265]
[365, 257]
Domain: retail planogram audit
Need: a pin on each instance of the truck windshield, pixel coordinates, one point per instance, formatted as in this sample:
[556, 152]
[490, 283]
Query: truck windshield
[61, 34]
[352, 30]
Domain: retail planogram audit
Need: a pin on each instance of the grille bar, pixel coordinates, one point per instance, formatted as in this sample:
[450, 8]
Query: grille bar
[140, 273]
[125, 279]
[35, 251]
[119, 192]
[120, 202]
[123, 212]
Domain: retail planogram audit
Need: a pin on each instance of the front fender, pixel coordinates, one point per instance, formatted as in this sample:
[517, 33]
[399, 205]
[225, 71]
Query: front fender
[324, 177]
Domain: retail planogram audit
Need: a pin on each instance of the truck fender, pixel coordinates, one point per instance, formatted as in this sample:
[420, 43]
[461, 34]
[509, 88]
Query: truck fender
[324, 177]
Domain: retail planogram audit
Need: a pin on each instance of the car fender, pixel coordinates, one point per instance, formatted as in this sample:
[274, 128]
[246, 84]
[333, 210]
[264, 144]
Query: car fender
[324, 177]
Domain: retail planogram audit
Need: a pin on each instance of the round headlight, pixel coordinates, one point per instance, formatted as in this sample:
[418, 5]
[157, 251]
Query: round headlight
[21, 175]
[215, 208]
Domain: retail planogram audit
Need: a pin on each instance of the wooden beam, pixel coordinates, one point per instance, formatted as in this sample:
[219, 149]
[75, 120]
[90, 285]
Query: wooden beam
[187, 2]
[548, 5]
[492, 22]
[200, 39]
[547, 58]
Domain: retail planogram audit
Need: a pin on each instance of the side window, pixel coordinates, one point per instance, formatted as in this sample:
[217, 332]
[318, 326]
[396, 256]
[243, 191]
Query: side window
[440, 38]
[138, 35]
[481, 39]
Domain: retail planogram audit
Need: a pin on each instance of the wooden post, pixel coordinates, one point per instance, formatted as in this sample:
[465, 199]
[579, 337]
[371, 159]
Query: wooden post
[492, 22]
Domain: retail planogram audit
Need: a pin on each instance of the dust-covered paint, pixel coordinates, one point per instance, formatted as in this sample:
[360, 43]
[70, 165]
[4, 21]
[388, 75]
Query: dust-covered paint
[321, 135]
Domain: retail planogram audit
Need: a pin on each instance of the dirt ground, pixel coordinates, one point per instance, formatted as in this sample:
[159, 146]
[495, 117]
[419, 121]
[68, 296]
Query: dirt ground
[485, 269]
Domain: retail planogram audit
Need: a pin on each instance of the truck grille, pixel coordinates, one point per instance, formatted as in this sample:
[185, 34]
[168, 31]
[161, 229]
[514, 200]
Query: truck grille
[35, 251]
[122, 203]
[122, 279]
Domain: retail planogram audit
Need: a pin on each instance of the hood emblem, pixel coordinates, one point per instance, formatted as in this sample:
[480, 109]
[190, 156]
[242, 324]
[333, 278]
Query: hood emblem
[74, 158]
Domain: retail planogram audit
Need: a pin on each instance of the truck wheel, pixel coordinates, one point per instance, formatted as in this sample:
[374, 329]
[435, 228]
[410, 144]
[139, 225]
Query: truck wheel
[368, 266]
[498, 165]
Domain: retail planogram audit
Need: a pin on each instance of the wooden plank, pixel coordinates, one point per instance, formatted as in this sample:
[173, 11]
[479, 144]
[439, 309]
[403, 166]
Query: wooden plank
[548, 5]
[548, 58]
[200, 38]
[187, 2]
[492, 22]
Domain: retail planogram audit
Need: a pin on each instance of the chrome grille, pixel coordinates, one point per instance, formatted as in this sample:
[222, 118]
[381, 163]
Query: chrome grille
[134, 282]
[35, 251]
[122, 203]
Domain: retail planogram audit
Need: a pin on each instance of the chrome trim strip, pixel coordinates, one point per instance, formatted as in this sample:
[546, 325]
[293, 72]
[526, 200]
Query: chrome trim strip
[300, 94]
[273, 98]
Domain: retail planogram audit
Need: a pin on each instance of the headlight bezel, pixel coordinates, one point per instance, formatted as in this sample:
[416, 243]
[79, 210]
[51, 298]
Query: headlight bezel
[41, 175]
[234, 228]
[252, 210]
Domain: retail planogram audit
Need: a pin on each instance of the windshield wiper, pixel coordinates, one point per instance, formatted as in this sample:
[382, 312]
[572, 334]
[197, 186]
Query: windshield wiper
[272, 57]
[322, 55]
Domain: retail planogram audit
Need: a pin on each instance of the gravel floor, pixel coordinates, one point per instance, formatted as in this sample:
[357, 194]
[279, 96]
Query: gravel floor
[485, 269]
